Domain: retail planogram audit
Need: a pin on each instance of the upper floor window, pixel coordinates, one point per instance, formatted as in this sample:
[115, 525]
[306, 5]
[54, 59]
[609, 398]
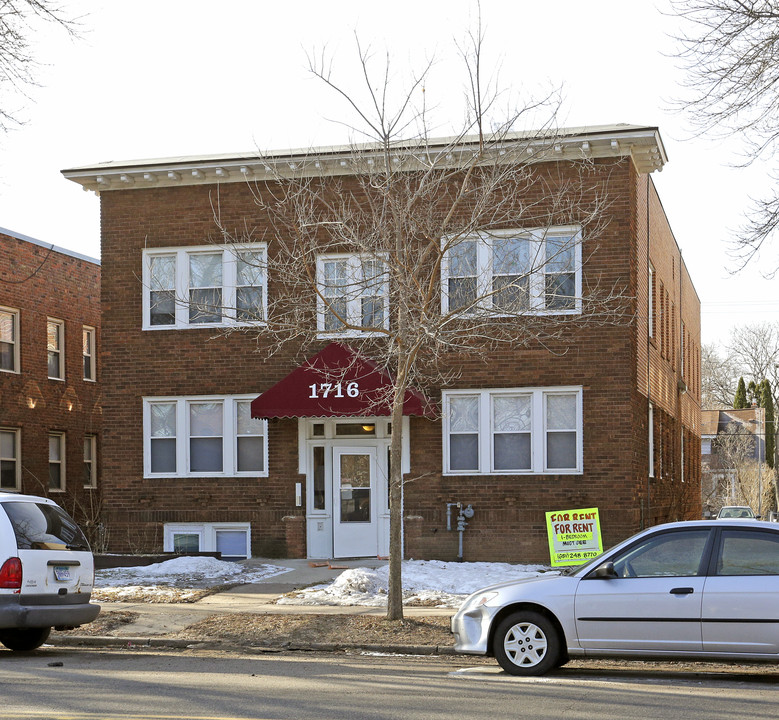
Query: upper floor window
[9, 340]
[514, 272]
[513, 431]
[651, 304]
[88, 350]
[353, 294]
[55, 345]
[204, 286]
[10, 467]
[203, 436]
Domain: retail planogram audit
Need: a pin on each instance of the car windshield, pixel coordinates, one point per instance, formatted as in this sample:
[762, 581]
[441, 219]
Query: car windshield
[736, 512]
[40, 526]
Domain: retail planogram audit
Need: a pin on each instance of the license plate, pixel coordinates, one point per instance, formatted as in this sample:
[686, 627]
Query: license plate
[61, 573]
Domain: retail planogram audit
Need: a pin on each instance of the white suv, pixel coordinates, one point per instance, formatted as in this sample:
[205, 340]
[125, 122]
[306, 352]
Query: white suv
[46, 571]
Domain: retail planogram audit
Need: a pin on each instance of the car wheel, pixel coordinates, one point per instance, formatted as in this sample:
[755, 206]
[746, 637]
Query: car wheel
[527, 643]
[24, 639]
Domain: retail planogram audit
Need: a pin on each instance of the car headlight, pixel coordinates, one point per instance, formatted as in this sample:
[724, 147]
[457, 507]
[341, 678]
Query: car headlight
[480, 599]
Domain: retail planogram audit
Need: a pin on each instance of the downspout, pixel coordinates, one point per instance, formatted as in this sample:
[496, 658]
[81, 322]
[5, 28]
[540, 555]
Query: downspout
[648, 515]
[682, 384]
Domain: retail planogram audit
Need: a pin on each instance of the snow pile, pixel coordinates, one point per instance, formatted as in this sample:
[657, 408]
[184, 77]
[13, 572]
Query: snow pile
[185, 572]
[431, 583]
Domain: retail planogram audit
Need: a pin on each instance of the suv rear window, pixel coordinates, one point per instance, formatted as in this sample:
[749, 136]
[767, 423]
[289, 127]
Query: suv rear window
[39, 526]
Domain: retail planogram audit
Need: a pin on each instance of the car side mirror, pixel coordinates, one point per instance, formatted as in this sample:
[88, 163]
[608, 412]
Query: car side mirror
[606, 571]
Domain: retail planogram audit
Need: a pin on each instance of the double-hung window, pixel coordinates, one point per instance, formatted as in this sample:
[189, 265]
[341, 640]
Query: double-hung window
[55, 345]
[88, 351]
[90, 461]
[9, 340]
[513, 431]
[353, 294]
[513, 272]
[205, 288]
[209, 436]
[212, 286]
[57, 461]
[10, 466]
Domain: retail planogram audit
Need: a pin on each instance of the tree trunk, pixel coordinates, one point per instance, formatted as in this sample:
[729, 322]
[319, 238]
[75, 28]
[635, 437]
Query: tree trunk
[395, 581]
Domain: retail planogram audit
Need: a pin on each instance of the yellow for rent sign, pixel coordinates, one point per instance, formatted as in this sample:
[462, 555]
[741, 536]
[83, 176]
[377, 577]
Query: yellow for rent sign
[574, 536]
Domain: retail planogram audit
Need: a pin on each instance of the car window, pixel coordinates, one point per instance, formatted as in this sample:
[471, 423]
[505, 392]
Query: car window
[748, 552]
[39, 526]
[667, 555]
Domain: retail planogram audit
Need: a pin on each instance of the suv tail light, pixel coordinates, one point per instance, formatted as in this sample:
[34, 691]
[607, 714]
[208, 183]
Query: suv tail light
[11, 574]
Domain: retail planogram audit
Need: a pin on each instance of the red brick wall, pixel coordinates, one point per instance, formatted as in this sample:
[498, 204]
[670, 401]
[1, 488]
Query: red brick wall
[43, 283]
[509, 520]
[674, 492]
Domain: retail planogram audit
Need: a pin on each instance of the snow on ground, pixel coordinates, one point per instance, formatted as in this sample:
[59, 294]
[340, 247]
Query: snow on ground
[181, 579]
[430, 583]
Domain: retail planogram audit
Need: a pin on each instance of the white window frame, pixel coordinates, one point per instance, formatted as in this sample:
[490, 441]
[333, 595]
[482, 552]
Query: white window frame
[651, 303]
[182, 437]
[14, 341]
[59, 350]
[16, 459]
[538, 433]
[651, 440]
[485, 270]
[355, 263]
[206, 533]
[90, 358]
[181, 289]
[90, 441]
[60, 437]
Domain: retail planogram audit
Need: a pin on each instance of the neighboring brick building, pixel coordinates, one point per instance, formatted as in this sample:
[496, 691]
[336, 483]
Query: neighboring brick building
[50, 415]
[732, 444]
[187, 468]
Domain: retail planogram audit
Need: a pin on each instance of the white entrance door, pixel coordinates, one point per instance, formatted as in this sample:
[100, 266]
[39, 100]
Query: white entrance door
[355, 506]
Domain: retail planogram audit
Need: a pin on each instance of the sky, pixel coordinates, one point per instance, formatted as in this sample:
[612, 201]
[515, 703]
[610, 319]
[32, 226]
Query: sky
[163, 78]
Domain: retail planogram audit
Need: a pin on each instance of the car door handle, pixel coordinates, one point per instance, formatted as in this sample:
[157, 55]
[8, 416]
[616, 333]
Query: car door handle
[682, 591]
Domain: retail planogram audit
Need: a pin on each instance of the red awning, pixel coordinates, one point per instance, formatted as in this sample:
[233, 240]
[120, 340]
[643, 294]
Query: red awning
[336, 382]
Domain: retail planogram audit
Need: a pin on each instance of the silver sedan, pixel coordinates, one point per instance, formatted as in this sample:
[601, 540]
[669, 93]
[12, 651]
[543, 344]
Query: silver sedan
[705, 590]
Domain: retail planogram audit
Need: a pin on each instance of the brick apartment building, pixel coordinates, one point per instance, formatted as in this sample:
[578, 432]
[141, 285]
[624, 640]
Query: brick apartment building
[609, 417]
[50, 414]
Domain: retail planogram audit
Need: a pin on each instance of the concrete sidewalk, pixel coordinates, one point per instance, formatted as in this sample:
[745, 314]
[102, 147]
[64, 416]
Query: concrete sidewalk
[156, 620]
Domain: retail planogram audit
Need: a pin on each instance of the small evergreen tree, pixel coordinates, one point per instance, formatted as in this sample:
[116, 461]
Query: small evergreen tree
[753, 394]
[740, 401]
[770, 426]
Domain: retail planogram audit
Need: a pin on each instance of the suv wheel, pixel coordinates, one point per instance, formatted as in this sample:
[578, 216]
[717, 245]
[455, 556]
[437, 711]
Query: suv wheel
[24, 639]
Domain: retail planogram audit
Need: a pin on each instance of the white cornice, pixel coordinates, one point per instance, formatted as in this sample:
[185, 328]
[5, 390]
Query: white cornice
[643, 144]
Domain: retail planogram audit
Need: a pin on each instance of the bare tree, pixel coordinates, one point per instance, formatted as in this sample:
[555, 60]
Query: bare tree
[753, 351]
[747, 481]
[404, 228]
[730, 51]
[19, 19]
[719, 375]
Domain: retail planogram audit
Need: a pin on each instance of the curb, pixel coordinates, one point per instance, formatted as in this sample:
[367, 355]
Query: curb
[110, 641]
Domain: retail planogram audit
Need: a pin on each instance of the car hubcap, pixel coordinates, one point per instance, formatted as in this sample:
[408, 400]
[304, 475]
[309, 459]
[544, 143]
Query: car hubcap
[525, 644]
